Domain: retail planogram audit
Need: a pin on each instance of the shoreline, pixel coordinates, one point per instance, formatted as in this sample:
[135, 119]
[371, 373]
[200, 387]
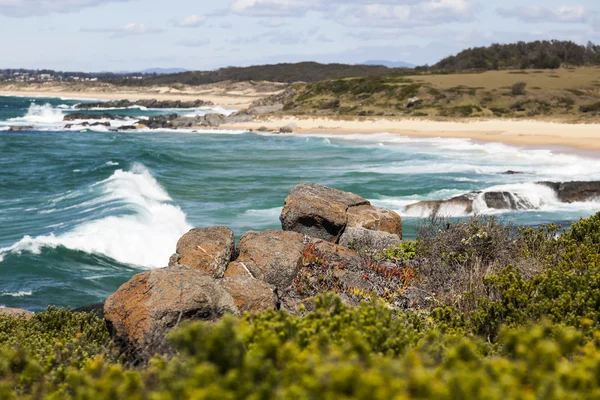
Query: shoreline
[221, 100]
[529, 133]
[537, 133]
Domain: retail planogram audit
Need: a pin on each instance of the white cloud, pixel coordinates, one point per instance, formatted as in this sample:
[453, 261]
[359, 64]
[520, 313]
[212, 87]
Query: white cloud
[568, 14]
[373, 13]
[30, 8]
[192, 21]
[266, 8]
[423, 13]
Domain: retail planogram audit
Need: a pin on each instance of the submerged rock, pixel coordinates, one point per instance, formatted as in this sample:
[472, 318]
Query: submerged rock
[208, 249]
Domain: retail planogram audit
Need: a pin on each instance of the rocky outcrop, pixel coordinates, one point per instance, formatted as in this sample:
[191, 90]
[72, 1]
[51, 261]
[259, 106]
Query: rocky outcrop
[573, 192]
[280, 99]
[20, 128]
[237, 270]
[250, 294]
[152, 103]
[208, 250]
[289, 128]
[374, 219]
[272, 256]
[159, 121]
[15, 313]
[145, 308]
[506, 201]
[318, 211]
[569, 192]
[82, 116]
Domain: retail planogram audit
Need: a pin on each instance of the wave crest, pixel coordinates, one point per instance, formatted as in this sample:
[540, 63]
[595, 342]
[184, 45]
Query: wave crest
[145, 234]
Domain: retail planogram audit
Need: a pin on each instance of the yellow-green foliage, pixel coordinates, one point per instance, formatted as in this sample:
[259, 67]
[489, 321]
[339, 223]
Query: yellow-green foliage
[533, 333]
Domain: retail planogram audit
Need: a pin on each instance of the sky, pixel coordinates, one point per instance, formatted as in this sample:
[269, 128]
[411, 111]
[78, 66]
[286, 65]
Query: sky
[131, 35]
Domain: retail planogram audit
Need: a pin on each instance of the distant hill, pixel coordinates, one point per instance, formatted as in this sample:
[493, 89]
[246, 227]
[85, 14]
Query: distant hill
[285, 73]
[539, 55]
[164, 71]
[390, 64]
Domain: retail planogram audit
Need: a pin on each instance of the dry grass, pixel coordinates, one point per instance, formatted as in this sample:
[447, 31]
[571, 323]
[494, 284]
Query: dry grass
[562, 95]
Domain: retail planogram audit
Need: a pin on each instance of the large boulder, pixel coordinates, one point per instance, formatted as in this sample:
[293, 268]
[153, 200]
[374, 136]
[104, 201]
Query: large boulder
[237, 270]
[318, 211]
[15, 312]
[572, 192]
[214, 120]
[146, 307]
[208, 249]
[366, 241]
[375, 219]
[272, 256]
[250, 294]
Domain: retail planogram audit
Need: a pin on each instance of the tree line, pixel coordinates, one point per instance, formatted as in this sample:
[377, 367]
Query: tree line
[521, 55]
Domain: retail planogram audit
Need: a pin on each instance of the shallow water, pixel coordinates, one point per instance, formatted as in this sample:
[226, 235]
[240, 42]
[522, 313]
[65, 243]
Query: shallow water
[81, 211]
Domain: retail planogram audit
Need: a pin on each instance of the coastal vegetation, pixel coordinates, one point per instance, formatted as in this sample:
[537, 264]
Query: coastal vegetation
[545, 54]
[492, 311]
[565, 93]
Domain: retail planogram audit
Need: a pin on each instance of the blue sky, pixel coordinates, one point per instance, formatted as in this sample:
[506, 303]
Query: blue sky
[101, 35]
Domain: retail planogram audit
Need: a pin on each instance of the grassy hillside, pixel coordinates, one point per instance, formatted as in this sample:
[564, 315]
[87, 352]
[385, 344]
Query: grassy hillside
[288, 73]
[566, 93]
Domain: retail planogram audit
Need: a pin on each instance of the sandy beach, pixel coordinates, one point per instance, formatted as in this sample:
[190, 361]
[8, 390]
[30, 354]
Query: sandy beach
[517, 132]
[537, 133]
[235, 95]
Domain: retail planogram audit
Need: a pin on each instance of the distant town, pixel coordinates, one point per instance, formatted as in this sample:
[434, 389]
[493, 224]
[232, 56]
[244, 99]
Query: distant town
[41, 76]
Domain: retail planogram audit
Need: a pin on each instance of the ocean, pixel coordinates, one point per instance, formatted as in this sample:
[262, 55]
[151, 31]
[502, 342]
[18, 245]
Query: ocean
[82, 210]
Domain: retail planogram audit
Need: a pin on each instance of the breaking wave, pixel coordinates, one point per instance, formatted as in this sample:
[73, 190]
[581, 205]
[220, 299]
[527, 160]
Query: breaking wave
[144, 233]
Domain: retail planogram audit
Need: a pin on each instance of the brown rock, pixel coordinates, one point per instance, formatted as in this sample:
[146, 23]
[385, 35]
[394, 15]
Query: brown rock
[151, 303]
[272, 256]
[16, 313]
[250, 294]
[209, 250]
[375, 219]
[368, 242]
[318, 211]
[237, 270]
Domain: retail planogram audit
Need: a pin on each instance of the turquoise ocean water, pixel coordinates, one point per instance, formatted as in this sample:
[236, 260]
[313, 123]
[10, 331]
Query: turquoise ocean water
[81, 211]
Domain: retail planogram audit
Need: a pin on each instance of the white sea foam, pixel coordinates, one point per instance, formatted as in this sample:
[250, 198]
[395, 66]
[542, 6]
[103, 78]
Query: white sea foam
[39, 115]
[16, 294]
[145, 238]
[112, 163]
[537, 197]
[262, 217]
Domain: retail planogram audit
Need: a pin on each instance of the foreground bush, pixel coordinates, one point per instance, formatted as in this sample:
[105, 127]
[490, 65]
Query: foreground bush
[512, 314]
[338, 352]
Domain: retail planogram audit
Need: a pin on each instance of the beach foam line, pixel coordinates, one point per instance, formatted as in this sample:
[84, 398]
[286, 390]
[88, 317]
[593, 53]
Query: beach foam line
[16, 294]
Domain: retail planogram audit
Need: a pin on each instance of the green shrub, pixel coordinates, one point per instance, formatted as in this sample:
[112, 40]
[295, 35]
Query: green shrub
[515, 314]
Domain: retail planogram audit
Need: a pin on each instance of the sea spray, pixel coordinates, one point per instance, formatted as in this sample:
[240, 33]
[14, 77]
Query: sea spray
[145, 236]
